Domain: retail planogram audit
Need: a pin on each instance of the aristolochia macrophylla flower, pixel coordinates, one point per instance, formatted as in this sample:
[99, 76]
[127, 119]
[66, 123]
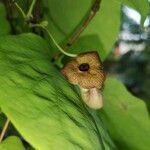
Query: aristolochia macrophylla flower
[86, 71]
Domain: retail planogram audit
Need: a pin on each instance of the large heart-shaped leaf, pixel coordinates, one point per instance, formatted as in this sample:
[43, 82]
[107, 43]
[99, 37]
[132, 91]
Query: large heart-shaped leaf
[65, 15]
[126, 117]
[44, 108]
[11, 143]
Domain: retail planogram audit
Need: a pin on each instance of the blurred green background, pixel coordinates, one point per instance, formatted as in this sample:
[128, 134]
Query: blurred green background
[130, 57]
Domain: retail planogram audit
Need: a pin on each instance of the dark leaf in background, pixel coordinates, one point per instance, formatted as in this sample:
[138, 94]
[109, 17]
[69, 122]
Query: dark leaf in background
[12, 143]
[4, 25]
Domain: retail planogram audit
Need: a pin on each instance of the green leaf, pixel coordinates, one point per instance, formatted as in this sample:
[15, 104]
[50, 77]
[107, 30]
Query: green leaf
[84, 44]
[126, 117]
[4, 26]
[65, 16]
[12, 143]
[63, 22]
[41, 104]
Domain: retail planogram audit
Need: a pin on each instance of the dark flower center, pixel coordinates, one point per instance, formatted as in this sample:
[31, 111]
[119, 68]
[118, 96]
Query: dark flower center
[84, 67]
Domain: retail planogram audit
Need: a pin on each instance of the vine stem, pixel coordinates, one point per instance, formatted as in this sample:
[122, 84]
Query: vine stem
[4, 130]
[29, 14]
[20, 9]
[57, 45]
[94, 8]
[9, 12]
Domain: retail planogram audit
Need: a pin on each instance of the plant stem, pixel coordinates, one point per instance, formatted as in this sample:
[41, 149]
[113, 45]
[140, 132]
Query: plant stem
[94, 8]
[92, 13]
[4, 130]
[29, 14]
[50, 35]
[20, 9]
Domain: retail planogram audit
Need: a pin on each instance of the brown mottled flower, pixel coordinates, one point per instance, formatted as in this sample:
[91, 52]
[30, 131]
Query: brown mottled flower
[86, 70]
